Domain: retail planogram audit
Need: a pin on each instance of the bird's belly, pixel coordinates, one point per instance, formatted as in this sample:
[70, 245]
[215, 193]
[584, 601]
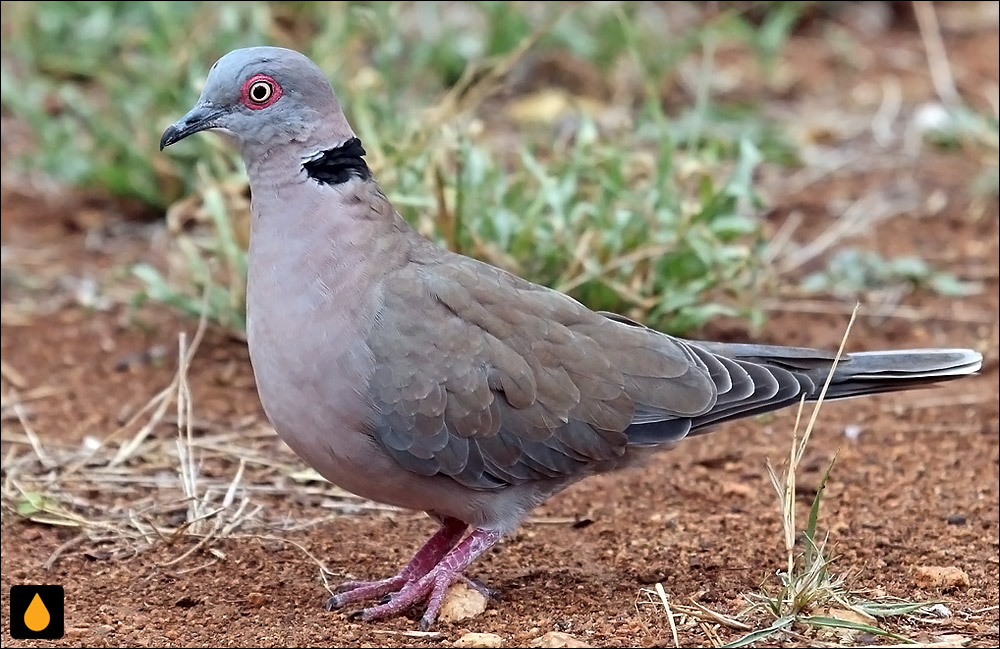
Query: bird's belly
[327, 430]
[311, 385]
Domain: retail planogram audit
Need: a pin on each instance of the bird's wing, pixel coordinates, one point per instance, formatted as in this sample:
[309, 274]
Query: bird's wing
[491, 380]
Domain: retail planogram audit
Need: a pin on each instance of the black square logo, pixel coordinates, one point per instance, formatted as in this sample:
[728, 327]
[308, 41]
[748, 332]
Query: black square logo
[36, 612]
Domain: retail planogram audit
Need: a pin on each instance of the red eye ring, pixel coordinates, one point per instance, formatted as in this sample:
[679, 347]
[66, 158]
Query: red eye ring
[260, 91]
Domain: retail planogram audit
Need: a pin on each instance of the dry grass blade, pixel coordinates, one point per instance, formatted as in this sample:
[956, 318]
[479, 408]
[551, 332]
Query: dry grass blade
[9, 399]
[36, 444]
[64, 547]
[9, 373]
[707, 614]
[324, 572]
[798, 448]
[937, 56]
[670, 616]
[161, 402]
[862, 215]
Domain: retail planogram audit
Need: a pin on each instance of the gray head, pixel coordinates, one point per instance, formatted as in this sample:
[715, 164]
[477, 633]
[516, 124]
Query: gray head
[266, 97]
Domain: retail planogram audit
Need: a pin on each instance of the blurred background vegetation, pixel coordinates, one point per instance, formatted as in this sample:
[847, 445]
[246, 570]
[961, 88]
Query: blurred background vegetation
[592, 147]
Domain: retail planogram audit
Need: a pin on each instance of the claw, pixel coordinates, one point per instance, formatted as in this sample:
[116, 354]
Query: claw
[481, 588]
[358, 614]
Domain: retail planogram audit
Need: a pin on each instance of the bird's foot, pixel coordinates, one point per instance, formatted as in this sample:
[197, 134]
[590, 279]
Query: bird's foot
[430, 587]
[427, 557]
[352, 592]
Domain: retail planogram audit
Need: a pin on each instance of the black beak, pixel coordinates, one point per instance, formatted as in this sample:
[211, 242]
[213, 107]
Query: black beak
[198, 118]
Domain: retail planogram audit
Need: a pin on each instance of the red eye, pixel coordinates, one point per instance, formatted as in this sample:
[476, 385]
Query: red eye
[260, 91]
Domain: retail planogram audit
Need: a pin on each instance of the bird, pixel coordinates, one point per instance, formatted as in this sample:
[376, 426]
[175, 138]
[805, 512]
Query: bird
[415, 376]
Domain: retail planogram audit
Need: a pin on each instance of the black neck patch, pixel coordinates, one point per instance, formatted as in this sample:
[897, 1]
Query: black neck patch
[339, 164]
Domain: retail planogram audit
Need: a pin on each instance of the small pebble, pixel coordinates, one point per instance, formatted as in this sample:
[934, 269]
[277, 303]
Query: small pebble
[461, 603]
[942, 577]
[256, 600]
[479, 640]
[557, 639]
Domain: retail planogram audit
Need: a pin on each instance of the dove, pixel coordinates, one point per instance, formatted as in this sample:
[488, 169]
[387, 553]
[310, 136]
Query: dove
[420, 378]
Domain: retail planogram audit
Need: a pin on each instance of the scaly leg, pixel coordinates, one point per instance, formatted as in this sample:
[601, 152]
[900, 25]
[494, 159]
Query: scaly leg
[433, 585]
[423, 561]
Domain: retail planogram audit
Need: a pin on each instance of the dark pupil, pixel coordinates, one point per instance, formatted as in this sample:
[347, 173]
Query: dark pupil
[259, 92]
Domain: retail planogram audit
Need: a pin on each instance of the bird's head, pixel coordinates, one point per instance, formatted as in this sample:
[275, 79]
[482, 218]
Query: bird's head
[265, 97]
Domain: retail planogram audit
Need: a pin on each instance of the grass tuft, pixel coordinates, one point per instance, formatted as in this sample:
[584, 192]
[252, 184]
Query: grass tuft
[539, 138]
[809, 593]
[570, 143]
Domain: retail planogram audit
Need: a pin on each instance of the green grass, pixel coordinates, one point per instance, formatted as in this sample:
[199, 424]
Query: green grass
[654, 219]
[850, 272]
[809, 592]
[629, 198]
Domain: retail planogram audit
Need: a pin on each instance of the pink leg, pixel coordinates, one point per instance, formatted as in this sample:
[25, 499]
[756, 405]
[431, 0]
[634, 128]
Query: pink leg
[427, 557]
[433, 585]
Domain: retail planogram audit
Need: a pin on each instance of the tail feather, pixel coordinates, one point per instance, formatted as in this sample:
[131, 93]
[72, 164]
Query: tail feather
[912, 364]
[773, 377]
[880, 371]
[891, 371]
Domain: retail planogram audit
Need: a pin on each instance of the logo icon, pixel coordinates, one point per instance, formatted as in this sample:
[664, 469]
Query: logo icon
[36, 612]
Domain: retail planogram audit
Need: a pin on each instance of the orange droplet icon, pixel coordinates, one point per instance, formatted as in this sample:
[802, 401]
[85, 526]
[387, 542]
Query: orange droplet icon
[36, 617]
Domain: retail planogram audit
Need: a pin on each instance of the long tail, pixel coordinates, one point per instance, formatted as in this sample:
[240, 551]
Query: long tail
[765, 378]
[801, 371]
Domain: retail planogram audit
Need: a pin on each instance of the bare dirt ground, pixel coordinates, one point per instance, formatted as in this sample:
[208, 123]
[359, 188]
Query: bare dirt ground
[917, 487]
